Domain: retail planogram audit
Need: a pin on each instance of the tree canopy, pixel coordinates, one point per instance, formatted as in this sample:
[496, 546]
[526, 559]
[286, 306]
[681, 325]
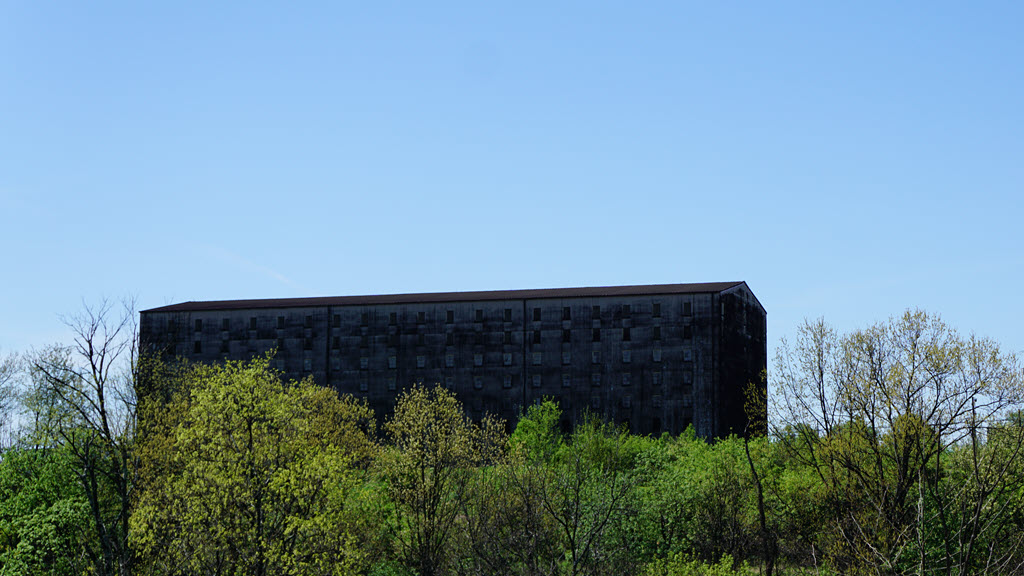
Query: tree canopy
[247, 474]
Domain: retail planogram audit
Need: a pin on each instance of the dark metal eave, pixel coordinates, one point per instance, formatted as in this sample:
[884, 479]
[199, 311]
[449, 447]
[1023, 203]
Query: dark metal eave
[436, 297]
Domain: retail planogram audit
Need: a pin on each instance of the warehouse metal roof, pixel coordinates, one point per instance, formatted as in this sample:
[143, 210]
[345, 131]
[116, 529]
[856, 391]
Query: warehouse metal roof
[534, 294]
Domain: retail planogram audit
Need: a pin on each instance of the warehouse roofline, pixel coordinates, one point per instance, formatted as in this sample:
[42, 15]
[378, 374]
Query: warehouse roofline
[434, 297]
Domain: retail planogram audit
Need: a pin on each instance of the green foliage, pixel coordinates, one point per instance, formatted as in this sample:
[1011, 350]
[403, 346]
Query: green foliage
[886, 418]
[682, 565]
[697, 499]
[893, 450]
[584, 492]
[435, 450]
[246, 474]
[44, 518]
[537, 435]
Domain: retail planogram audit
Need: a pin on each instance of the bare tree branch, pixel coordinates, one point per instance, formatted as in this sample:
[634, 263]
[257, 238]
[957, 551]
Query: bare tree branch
[83, 398]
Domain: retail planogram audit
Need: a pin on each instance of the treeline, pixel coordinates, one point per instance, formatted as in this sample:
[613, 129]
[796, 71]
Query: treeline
[893, 450]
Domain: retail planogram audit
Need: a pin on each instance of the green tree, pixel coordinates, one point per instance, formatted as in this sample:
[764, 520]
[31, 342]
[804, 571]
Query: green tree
[246, 474]
[435, 451]
[45, 524]
[681, 565]
[756, 408]
[505, 528]
[81, 399]
[876, 414]
[584, 489]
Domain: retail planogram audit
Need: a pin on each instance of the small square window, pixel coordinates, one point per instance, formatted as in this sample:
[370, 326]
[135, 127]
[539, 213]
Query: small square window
[627, 379]
[625, 334]
[479, 315]
[595, 357]
[687, 377]
[536, 314]
[595, 402]
[197, 348]
[656, 378]
[566, 335]
[252, 323]
[566, 313]
[393, 318]
[566, 357]
[307, 364]
[507, 358]
[364, 319]
[627, 356]
[656, 310]
[335, 364]
[392, 362]
[392, 383]
[280, 322]
[478, 382]
[656, 400]
[537, 381]
[364, 362]
[507, 382]
[449, 339]
[627, 401]
[421, 317]
[225, 324]
[199, 325]
[421, 361]
[508, 314]
[449, 316]
[596, 335]
[656, 354]
[449, 382]
[536, 336]
[687, 309]
[566, 380]
[687, 355]
[478, 359]
[364, 386]
[309, 322]
[225, 335]
[595, 379]
[449, 360]
[656, 332]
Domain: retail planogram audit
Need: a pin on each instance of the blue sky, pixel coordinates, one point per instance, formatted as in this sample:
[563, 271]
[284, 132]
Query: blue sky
[848, 160]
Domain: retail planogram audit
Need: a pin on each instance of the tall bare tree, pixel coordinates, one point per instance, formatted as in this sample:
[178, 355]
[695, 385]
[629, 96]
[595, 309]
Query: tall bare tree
[881, 415]
[83, 398]
[8, 371]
